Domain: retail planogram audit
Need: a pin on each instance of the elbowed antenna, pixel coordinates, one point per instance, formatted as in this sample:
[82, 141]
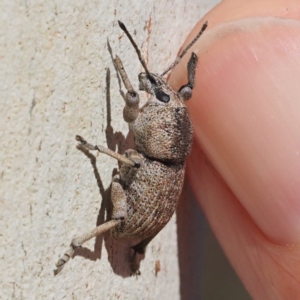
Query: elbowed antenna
[178, 59]
[141, 59]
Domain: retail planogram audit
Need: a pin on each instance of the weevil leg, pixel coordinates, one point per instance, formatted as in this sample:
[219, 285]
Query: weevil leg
[119, 213]
[186, 90]
[141, 246]
[118, 199]
[132, 99]
[139, 249]
[84, 144]
[77, 242]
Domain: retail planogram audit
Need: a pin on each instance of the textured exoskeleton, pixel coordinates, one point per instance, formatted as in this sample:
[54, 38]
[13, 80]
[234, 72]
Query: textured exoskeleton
[146, 191]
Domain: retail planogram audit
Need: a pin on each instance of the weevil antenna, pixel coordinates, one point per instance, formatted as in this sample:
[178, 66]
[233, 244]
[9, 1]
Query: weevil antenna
[141, 59]
[178, 59]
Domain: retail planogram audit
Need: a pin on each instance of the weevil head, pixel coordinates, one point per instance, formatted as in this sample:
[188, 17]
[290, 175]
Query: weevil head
[163, 129]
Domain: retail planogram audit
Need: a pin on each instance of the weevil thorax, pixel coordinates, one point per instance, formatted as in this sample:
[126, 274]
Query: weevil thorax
[163, 129]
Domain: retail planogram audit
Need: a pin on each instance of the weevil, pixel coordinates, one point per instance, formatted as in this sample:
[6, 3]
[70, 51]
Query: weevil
[145, 193]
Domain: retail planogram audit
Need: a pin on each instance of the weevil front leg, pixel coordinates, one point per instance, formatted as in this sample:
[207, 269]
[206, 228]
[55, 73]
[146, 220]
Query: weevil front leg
[186, 90]
[132, 99]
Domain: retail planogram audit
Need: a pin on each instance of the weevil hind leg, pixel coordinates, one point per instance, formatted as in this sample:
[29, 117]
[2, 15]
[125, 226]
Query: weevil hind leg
[119, 213]
[77, 242]
[139, 248]
[186, 90]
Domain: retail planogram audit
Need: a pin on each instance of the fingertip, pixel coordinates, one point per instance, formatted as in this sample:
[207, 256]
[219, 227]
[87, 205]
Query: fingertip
[244, 114]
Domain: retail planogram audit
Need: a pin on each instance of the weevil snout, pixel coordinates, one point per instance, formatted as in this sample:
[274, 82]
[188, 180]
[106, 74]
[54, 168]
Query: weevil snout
[154, 85]
[145, 84]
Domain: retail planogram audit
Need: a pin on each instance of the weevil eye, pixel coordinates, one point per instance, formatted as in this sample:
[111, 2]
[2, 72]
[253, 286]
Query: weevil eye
[161, 96]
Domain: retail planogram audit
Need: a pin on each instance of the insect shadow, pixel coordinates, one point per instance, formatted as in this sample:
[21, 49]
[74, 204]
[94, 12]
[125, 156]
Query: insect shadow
[119, 251]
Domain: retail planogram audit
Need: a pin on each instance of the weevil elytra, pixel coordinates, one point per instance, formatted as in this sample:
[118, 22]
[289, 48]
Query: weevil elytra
[145, 193]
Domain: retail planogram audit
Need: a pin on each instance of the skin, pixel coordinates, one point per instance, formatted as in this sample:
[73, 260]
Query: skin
[245, 165]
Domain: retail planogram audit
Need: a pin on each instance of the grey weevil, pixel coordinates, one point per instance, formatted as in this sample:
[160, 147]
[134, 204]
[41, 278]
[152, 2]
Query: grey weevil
[145, 193]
